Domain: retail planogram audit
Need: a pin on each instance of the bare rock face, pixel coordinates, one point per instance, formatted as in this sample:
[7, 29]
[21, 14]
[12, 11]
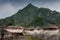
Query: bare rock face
[51, 35]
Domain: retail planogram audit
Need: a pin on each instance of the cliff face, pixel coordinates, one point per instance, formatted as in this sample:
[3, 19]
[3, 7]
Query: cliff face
[32, 16]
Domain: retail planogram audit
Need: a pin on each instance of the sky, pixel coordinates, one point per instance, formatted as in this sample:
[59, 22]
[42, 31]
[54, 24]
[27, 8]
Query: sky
[10, 7]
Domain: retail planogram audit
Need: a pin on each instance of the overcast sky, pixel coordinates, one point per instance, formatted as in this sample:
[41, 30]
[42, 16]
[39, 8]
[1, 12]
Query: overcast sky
[10, 7]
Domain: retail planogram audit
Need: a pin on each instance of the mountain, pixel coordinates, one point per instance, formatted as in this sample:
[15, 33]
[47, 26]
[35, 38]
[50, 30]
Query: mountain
[32, 16]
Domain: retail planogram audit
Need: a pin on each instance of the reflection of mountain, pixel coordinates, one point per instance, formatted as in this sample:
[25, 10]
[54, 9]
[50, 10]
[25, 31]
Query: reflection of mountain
[32, 16]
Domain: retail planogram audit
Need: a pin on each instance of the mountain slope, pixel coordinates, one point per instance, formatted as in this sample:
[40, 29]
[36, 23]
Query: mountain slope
[32, 16]
[26, 15]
